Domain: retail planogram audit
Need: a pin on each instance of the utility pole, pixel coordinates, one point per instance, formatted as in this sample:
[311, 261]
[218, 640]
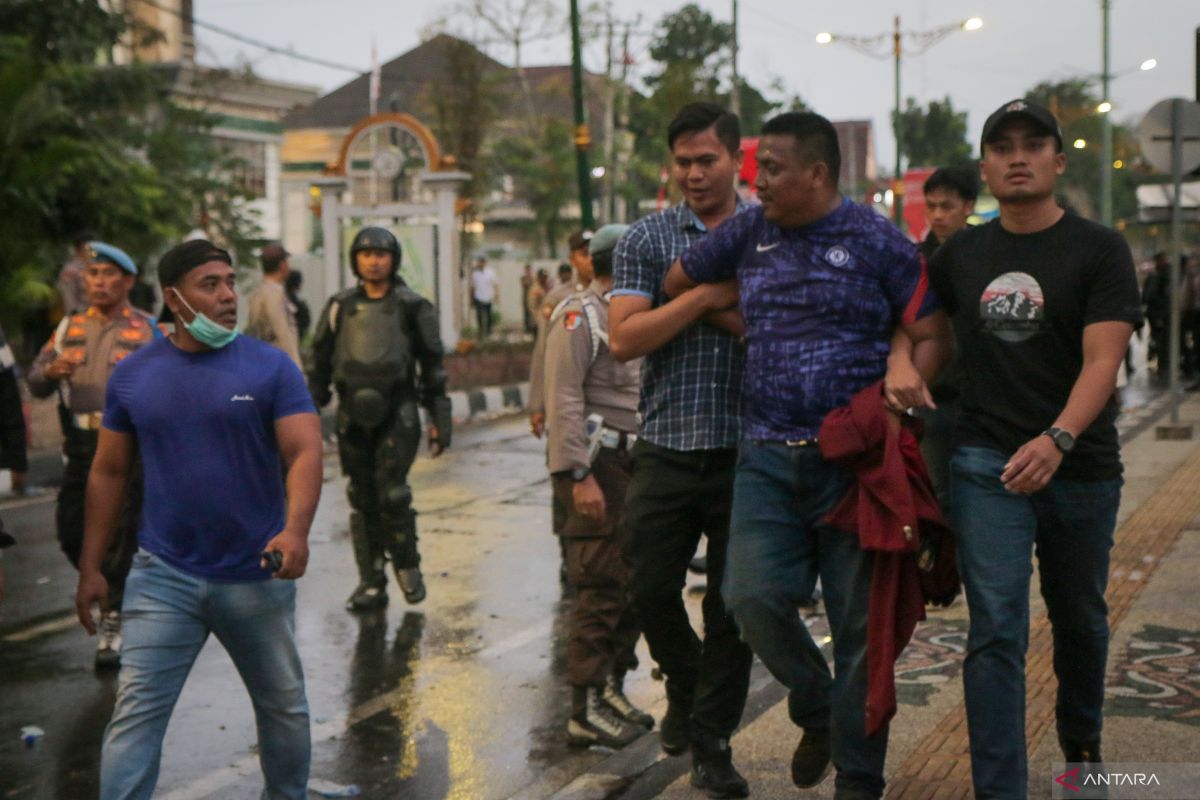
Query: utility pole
[735, 94]
[610, 113]
[898, 186]
[618, 212]
[1106, 166]
[583, 139]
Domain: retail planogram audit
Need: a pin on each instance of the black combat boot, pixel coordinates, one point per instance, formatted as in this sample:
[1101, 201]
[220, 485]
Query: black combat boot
[676, 729]
[371, 592]
[593, 721]
[411, 583]
[712, 768]
[614, 695]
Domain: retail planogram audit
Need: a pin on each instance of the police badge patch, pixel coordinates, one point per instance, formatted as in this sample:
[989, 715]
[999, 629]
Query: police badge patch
[572, 320]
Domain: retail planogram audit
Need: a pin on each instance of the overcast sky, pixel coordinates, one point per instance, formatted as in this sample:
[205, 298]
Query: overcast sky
[1021, 43]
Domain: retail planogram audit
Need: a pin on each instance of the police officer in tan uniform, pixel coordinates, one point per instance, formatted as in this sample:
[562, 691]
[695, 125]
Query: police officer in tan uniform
[77, 362]
[591, 413]
[568, 284]
[269, 314]
[581, 263]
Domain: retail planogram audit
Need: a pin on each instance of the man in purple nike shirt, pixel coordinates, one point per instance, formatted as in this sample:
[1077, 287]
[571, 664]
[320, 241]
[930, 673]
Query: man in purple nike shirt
[824, 284]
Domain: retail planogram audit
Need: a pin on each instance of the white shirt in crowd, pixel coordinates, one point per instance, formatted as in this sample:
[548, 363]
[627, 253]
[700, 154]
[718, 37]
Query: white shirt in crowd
[483, 284]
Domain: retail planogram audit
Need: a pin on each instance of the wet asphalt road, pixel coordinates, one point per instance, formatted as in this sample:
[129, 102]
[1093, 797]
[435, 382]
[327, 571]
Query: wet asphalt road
[460, 697]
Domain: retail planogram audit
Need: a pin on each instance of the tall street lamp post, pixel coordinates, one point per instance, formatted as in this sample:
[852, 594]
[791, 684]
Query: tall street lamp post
[877, 47]
[1105, 108]
[583, 139]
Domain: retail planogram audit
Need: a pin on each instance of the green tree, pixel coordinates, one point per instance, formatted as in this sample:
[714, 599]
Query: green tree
[1074, 103]
[692, 52]
[89, 144]
[935, 136]
[541, 166]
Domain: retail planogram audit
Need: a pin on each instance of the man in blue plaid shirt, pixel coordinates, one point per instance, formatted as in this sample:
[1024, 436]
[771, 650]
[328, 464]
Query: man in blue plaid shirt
[683, 462]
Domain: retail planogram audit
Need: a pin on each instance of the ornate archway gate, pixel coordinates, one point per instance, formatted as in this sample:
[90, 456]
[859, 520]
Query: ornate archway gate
[392, 172]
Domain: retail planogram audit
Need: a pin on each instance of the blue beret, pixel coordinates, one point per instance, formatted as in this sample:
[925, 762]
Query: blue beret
[113, 255]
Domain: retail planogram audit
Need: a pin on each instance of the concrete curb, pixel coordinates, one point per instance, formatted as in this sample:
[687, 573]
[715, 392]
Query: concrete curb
[466, 405]
[45, 464]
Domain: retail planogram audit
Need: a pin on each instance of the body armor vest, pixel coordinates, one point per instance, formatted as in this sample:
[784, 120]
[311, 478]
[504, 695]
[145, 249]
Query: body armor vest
[372, 358]
[134, 333]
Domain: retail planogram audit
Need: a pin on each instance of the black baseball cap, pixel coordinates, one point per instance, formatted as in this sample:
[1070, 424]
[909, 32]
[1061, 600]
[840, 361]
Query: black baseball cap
[1039, 115]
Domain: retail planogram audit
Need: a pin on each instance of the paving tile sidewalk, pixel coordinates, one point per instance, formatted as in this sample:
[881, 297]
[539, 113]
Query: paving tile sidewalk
[1152, 712]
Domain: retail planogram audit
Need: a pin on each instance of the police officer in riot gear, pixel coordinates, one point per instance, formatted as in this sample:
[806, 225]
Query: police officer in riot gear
[379, 347]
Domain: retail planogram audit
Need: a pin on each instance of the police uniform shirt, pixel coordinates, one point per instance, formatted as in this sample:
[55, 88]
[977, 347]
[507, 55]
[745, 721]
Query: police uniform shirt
[537, 361]
[582, 378]
[96, 345]
[270, 318]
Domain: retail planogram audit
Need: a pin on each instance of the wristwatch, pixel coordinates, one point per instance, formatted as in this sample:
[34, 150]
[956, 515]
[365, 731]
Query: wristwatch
[1062, 439]
[580, 474]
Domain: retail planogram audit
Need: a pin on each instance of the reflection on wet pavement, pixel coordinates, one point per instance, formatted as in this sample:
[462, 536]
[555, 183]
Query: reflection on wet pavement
[462, 697]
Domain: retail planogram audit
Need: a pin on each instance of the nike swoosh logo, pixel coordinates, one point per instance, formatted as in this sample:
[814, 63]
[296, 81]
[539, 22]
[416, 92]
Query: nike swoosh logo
[762, 248]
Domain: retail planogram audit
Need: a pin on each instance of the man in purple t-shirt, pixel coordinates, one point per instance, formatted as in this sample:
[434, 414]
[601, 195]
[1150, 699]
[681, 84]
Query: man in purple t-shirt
[824, 283]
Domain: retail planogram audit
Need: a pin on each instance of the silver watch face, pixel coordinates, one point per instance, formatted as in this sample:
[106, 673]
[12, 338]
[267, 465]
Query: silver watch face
[1063, 440]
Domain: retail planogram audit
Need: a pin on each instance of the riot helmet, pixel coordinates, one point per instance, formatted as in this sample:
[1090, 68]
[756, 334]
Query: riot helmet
[375, 238]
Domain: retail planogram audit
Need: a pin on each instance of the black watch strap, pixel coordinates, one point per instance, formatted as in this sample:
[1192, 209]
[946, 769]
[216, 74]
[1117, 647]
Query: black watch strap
[580, 474]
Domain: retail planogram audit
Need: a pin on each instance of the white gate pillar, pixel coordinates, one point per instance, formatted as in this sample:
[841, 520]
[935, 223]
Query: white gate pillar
[445, 186]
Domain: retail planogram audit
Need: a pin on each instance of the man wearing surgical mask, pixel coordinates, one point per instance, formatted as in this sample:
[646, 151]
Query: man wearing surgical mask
[219, 546]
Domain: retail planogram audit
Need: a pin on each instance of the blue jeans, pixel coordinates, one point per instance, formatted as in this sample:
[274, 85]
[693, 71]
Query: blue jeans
[1069, 526]
[166, 618]
[777, 548]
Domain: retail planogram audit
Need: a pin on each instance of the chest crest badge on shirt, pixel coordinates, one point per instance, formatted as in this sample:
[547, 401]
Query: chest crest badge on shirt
[837, 255]
[1013, 307]
[572, 320]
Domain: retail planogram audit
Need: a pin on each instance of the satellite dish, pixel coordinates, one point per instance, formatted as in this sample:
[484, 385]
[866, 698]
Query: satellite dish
[1154, 135]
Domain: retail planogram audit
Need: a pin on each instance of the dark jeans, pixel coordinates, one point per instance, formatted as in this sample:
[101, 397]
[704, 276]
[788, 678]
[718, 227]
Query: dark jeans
[778, 547]
[79, 449]
[483, 317]
[1069, 526]
[937, 446]
[674, 497]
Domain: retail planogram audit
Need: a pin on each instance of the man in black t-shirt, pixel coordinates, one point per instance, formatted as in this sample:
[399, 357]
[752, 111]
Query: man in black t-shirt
[950, 194]
[1043, 304]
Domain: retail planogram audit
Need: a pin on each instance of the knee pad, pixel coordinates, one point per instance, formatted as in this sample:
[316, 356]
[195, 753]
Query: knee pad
[355, 495]
[396, 498]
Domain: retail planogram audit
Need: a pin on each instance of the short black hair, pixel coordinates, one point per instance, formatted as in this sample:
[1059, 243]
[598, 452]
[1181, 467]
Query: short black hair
[183, 258]
[816, 138]
[565, 270]
[293, 280]
[82, 237]
[963, 181]
[696, 117]
[602, 263]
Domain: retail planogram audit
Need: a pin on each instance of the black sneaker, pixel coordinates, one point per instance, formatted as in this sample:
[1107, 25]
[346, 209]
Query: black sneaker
[840, 793]
[600, 725]
[675, 733]
[713, 772]
[1080, 752]
[810, 762]
[367, 596]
